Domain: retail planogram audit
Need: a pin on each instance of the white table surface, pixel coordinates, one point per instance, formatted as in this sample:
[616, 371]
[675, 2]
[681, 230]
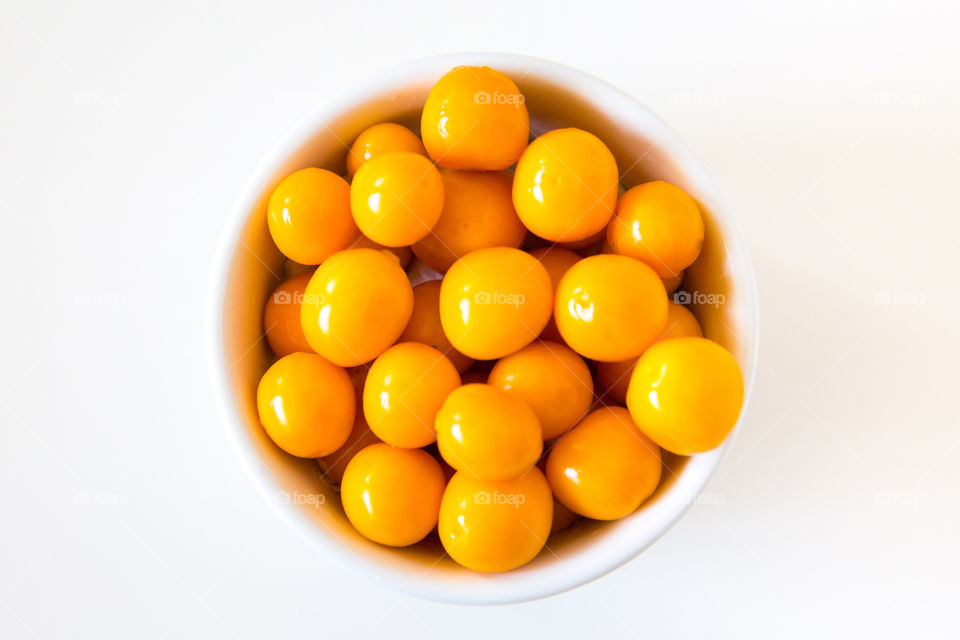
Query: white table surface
[125, 133]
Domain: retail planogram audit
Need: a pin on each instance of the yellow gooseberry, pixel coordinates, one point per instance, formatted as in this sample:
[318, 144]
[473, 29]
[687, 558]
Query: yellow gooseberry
[494, 302]
[658, 224]
[475, 118]
[495, 525]
[308, 215]
[403, 392]
[604, 468]
[355, 306]
[686, 394]
[565, 185]
[392, 495]
[488, 432]
[610, 308]
[396, 198]
[306, 405]
[551, 379]
[477, 213]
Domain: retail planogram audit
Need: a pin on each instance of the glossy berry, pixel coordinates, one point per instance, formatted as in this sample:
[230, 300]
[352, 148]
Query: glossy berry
[604, 468]
[308, 215]
[356, 305]
[306, 405]
[686, 394]
[495, 525]
[392, 495]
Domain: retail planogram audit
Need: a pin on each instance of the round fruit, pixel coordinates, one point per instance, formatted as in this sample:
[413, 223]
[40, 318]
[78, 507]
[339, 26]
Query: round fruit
[306, 405]
[565, 185]
[392, 495]
[424, 325]
[494, 302]
[488, 433]
[475, 118]
[556, 260]
[396, 198]
[477, 213]
[403, 392]
[551, 379]
[614, 377]
[604, 468]
[355, 306]
[658, 224]
[281, 317]
[686, 394]
[309, 215]
[379, 140]
[495, 525]
[610, 308]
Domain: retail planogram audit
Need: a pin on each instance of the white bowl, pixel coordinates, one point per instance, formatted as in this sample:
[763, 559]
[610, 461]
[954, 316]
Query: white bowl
[247, 266]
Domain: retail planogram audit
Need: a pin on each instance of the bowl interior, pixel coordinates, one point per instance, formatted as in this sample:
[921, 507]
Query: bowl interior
[250, 266]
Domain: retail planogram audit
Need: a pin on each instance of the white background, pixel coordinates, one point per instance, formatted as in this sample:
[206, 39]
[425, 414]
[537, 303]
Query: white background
[126, 131]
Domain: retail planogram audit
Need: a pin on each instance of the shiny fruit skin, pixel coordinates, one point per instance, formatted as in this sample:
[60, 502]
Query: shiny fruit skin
[604, 468]
[551, 379]
[475, 118]
[488, 433]
[281, 317]
[494, 302]
[403, 254]
[477, 213]
[309, 215]
[686, 394]
[396, 198]
[495, 525]
[610, 308]
[306, 405]
[565, 185]
[356, 306]
[392, 495]
[424, 324]
[658, 224]
[614, 377]
[404, 390]
[379, 140]
[556, 260]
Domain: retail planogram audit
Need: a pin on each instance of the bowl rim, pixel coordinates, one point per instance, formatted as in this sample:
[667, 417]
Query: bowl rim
[590, 563]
